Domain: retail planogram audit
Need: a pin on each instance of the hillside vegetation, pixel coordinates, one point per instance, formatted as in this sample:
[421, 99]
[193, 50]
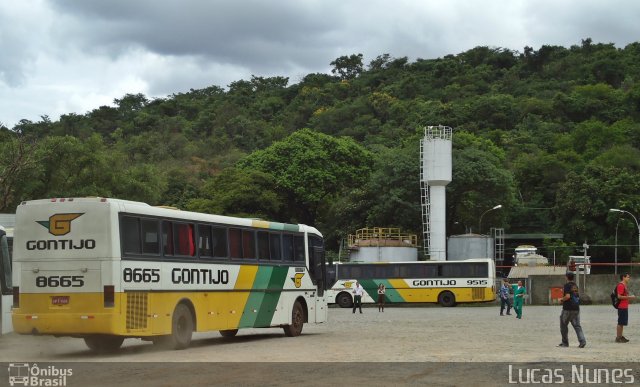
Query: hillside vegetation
[551, 134]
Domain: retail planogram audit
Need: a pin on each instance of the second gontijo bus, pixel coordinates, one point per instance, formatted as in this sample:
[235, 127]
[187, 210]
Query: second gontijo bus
[106, 269]
[445, 282]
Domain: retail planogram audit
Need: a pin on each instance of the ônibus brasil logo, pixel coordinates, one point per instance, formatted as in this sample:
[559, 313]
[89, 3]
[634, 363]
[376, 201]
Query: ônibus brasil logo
[32, 375]
[59, 224]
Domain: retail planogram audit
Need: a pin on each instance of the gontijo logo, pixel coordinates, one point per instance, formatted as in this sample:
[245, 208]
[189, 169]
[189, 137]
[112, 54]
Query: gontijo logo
[59, 224]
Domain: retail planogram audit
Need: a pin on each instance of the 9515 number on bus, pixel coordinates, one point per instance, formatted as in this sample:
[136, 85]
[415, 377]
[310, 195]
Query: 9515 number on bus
[139, 275]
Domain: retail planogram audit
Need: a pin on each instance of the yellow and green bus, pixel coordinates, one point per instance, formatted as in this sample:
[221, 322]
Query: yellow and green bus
[444, 282]
[106, 269]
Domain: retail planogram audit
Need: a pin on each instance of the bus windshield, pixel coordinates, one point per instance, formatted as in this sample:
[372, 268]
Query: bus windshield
[5, 265]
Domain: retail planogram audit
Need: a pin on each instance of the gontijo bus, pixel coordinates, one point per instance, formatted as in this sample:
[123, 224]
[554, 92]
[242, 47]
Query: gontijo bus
[106, 269]
[5, 280]
[445, 282]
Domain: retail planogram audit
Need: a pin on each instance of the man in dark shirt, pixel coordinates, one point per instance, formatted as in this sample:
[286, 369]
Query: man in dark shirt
[571, 313]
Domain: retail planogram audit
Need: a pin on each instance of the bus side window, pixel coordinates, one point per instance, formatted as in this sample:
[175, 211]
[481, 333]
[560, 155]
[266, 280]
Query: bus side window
[287, 247]
[276, 246]
[248, 244]
[167, 238]
[219, 242]
[430, 271]
[298, 248]
[205, 247]
[453, 270]
[150, 242]
[130, 231]
[235, 242]
[263, 246]
[184, 239]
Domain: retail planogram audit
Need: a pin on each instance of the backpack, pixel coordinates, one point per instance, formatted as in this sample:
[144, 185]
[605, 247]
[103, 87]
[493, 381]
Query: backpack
[615, 301]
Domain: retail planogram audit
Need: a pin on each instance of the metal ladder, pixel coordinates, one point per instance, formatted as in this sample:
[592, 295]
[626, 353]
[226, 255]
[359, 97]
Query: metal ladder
[425, 204]
[498, 244]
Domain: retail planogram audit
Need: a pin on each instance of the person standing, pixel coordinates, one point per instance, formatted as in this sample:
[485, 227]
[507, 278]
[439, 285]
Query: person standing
[518, 298]
[381, 292]
[571, 312]
[623, 307]
[504, 297]
[357, 297]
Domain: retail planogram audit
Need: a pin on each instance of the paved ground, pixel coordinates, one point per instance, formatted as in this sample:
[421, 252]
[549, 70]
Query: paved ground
[416, 335]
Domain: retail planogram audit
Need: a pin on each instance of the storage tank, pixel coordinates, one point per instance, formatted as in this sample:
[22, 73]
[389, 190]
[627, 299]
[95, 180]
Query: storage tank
[380, 244]
[468, 246]
[436, 173]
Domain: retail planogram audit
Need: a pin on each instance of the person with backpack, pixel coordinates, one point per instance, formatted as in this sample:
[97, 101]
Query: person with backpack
[571, 313]
[623, 306]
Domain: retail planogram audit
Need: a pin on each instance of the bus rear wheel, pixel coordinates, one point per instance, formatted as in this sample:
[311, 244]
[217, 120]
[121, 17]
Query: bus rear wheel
[103, 343]
[447, 299]
[344, 300]
[229, 332]
[297, 321]
[181, 330]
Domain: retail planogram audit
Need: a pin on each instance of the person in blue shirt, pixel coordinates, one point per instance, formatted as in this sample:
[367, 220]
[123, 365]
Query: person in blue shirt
[504, 297]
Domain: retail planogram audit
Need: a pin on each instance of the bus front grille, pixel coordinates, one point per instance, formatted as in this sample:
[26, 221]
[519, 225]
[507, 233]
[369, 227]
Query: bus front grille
[136, 310]
[477, 293]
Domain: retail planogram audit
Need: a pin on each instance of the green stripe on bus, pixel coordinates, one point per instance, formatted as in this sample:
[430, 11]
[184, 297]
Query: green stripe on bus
[284, 226]
[391, 294]
[271, 297]
[371, 287]
[291, 227]
[256, 297]
[276, 226]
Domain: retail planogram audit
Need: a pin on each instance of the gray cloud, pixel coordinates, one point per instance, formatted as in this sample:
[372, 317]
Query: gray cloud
[62, 56]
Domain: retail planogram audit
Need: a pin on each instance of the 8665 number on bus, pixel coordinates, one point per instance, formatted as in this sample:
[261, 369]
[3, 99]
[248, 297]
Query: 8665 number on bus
[140, 275]
[62, 281]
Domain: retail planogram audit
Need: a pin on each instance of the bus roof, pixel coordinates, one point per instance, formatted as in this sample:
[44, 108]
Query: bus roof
[417, 262]
[170, 212]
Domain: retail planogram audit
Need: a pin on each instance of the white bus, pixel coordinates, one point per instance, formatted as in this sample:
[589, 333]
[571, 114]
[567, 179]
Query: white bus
[106, 269]
[6, 288]
[445, 282]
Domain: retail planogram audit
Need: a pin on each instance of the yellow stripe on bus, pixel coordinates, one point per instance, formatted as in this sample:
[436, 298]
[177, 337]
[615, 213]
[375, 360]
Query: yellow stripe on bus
[237, 300]
[260, 223]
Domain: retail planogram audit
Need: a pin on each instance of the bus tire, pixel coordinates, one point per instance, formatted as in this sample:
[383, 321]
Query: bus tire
[103, 343]
[181, 329]
[297, 321]
[344, 300]
[229, 332]
[447, 299]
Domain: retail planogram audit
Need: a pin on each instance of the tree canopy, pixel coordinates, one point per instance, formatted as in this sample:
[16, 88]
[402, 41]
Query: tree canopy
[552, 134]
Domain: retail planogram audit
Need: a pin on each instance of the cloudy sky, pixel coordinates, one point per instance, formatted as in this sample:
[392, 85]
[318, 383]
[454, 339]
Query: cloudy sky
[72, 56]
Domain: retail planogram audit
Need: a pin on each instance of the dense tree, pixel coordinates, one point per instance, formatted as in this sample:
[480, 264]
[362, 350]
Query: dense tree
[551, 127]
[309, 168]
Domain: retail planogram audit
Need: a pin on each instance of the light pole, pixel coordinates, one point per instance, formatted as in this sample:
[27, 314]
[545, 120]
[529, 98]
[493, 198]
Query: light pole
[615, 254]
[634, 218]
[480, 222]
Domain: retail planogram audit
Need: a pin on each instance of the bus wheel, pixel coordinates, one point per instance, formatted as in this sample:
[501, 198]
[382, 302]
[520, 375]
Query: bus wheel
[181, 329]
[103, 343]
[447, 299]
[344, 300]
[297, 321]
[229, 332]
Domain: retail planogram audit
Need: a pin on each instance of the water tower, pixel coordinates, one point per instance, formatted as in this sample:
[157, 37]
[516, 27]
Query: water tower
[435, 174]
